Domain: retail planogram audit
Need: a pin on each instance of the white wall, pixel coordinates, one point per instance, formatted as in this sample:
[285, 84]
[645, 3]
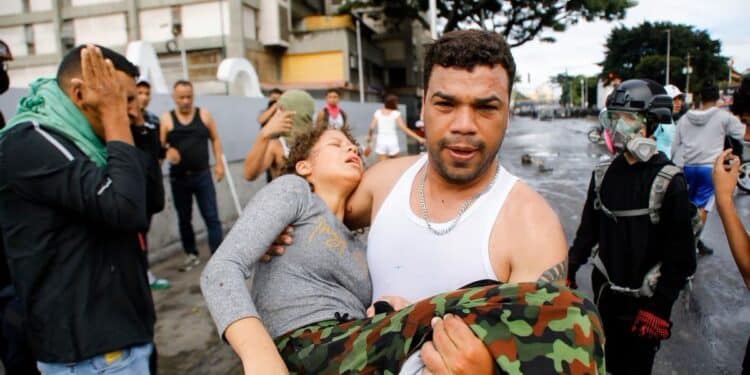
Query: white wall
[21, 77]
[15, 38]
[40, 5]
[155, 24]
[202, 20]
[44, 38]
[108, 30]
[11, 7]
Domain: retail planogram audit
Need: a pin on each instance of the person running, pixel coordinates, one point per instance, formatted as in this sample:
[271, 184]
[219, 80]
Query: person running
[74, 198]
[699, 139]
[386, 120]
[271, 146]
[332, 115]
[638, 213]
[189, 129]
[305, 312]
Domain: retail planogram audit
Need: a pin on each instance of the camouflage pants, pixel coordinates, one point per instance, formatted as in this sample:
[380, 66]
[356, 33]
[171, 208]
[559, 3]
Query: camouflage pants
[527, 328]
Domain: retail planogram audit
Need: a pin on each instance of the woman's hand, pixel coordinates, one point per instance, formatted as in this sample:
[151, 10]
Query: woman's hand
[725, 177]
[396, 302]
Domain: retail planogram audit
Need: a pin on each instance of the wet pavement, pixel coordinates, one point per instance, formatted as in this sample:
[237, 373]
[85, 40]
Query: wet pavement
[711, 321]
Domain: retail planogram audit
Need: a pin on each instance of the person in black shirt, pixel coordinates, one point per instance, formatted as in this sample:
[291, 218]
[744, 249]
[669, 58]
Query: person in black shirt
[73, 201]
[638, 213]
[145, 129]
[189, 129]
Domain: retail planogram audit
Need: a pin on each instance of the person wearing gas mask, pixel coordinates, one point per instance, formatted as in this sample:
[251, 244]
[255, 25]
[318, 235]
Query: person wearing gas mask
[638, 213]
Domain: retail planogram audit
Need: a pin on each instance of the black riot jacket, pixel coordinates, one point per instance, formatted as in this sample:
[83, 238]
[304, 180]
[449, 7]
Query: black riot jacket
[70, 232]
[630, 246]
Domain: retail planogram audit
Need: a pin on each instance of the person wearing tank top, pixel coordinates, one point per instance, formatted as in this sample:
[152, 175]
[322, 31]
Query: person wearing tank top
[189, 130]
[456, 216]
[385, 120]
[305, 312]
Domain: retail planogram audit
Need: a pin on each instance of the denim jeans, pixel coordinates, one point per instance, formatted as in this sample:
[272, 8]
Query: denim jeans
[133, 360]
[201, 185]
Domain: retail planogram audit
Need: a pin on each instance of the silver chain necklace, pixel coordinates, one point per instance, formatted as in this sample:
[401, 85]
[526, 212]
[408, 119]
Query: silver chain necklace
[465, 206]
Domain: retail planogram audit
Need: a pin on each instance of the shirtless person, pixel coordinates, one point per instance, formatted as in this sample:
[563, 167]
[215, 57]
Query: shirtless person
[271, 147]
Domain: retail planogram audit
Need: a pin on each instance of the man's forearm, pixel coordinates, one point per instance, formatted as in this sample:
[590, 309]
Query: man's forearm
[254, 160]
[739, 242]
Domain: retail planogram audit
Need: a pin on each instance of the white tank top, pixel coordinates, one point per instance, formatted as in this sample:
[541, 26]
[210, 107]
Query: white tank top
[386, 125]
[406, 259]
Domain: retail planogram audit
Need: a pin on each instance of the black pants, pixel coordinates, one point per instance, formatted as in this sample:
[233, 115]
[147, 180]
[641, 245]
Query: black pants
[201, 186]
[626, 353]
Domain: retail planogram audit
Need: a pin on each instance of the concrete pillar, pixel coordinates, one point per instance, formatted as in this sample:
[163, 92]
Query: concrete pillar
[236, 38]
[134, 27]
[57, 25]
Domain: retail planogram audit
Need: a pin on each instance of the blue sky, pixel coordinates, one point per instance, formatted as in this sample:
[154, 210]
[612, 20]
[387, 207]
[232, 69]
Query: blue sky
[581, 46]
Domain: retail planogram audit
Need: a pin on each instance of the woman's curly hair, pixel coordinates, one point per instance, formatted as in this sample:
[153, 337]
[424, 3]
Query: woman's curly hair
[305, 141]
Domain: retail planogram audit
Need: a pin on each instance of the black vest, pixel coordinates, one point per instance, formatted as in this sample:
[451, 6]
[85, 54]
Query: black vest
[191, 140]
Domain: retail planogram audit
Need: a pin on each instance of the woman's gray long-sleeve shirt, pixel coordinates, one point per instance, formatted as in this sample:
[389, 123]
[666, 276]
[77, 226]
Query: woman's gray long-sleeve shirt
[323, 272]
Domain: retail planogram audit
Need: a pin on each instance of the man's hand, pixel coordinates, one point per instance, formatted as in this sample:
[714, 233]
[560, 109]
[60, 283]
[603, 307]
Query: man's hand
[277, 247]
[725, 180]
[173, 156]
[279, 124]
[455, 349]
[396, 302]
[100, 88]
[218, 171]
[650, 326]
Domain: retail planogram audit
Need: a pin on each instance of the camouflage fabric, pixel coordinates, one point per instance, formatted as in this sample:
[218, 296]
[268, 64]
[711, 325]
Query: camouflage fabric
[528, 328]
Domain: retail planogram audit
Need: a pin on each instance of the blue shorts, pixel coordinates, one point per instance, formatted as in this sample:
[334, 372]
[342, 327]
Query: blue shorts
[700, 186]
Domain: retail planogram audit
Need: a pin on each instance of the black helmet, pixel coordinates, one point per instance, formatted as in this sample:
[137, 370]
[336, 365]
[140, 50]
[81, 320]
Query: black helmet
[645, 97]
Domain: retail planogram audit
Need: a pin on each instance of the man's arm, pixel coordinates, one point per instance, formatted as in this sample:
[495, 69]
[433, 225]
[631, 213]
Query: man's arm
[587, 235]
[724, 184]
[48, 173]
[213, 134]
[264, 150]
[264, 116]
[537, 247]
[735, 128]
[676, 141]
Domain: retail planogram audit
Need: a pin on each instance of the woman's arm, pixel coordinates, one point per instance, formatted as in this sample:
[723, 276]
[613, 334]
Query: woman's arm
[254, 346]
[408, 131]
[223, 281]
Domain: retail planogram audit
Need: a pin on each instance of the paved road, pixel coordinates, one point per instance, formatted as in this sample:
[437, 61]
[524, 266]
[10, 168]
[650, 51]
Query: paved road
[711, 322]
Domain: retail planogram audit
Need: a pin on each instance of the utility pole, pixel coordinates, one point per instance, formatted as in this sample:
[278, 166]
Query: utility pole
[688, 70]
[729, 80]
[360, 69]
[669, 41]
[433, 19]
[582, 94]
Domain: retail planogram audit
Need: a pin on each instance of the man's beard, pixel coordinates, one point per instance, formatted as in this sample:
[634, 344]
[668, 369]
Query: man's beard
[470, 175]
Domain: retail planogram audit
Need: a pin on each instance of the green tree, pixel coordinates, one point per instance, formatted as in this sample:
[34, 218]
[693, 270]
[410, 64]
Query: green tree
[640, 52]
[518, 20]
[571, 89]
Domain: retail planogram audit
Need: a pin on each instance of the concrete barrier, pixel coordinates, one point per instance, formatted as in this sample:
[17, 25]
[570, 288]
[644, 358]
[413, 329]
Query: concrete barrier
[236, 121]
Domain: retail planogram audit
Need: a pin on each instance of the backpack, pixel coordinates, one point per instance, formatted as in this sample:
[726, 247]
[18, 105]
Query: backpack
[655, 197]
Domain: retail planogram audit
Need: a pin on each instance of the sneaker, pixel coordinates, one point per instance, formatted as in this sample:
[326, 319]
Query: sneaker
[191, 261]
[159, 284]
[703, 249]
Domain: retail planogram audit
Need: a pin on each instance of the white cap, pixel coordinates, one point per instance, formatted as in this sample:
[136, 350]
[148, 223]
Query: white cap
[672, 91]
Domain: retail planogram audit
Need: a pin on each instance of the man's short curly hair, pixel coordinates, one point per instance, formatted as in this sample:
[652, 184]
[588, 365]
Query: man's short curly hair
[305, 141]
[466, 49]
